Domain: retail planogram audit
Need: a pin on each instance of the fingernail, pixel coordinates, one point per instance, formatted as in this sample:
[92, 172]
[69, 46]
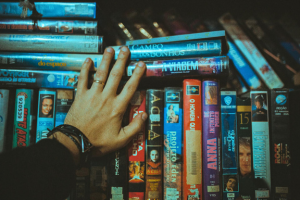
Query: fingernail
[124, 49]
[141, 64]
[109, 49]
[87, 60]
[144, 116]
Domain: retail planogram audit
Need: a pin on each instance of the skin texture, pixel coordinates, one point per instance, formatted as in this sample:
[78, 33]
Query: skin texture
[47, 105]
[154, 156]
[98, 111]
[245, 159]
[230, 184]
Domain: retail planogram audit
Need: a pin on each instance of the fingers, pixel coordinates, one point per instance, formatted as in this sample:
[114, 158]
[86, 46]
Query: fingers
[132, 84]
[102, 71]
[84, 74]
[117, 71]
[132, 129]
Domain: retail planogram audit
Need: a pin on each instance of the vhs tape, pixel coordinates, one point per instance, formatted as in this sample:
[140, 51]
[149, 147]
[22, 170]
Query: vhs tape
[39, 78]
[211, 139]
[229, 145]
[244, 132]
[46, 61]
[4, 98]
[261, 144]
[169, 50]
[280, 144]
[205, 66]
[64, 102]
[22, 117]
[50, 9]
[136, 151]
[51, 43]
[46, 113]
[77, 27]
[173, 126]
[192, 140]
[247, 47]
[154, 144]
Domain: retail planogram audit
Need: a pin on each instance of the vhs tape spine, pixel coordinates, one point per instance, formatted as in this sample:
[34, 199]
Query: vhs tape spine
[50, 10]
[4, 99]
[46, 61]
[173, 50]
[260, 65]
[64, 102]
[82, 184]
[229, 145]
[117, 175]
[51, 43]
[49, 26]
[244, 132]
[211, 139]
[46, 113]
[98, 179]
[279, 35]
[154, 144]
[136, 151]
[39, 78]
[214, 66]
[173, 126]
[192, 140]
[23, 107]
[280, 144]
[240, 63]
[261, 144]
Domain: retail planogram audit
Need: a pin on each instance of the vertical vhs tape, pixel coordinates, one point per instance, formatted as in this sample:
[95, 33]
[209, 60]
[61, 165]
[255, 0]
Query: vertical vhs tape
[22, 118]
[64, 102]
[136, 151]
[260, 65]
[192, 140]
[98, 178]
[173, 126]
[46, 113]
[154, 144]
[244, 132]
[211, 139]
[280, 144]
[51, 43]
[229, 145]
[117, 173]
[261, 144]
[4, 98]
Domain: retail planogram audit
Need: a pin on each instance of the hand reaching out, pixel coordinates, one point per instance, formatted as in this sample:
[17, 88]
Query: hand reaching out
[98, 111]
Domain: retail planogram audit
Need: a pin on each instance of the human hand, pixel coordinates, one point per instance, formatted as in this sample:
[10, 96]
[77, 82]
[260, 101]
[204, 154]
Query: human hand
[98, 111]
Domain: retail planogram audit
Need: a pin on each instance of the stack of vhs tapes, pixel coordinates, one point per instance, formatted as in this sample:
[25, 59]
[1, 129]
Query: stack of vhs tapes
[218, 125]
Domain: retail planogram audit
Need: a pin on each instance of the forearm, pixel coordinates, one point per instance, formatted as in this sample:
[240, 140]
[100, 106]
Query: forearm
[44, 170]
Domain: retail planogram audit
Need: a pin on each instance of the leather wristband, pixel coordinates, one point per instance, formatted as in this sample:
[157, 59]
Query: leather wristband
[83, 144]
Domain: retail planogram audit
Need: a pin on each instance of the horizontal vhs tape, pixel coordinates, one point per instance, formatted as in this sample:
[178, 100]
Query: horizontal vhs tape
[37, 79]
[46, 61]
[48, 26]
[51, 43]
[50, 9]
[191, 66]
[173, 50]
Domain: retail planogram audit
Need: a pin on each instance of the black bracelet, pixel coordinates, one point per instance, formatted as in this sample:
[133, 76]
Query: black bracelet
[83, 144]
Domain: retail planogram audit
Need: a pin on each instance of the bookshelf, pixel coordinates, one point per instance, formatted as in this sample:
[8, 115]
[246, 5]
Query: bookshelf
[191, 9]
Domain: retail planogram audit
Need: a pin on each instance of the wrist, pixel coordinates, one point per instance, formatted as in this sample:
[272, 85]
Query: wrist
[67, 142]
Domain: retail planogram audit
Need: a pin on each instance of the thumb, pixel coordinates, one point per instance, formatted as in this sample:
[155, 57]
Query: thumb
[135, 126]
